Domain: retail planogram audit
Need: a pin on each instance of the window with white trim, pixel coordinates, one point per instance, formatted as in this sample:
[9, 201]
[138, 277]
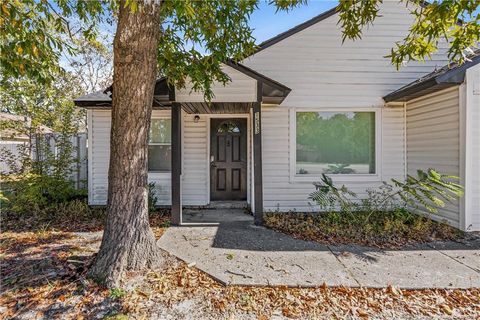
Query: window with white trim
[335, 143]
[160, 146]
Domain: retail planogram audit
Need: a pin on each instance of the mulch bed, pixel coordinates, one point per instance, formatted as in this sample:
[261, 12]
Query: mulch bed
[385, 232]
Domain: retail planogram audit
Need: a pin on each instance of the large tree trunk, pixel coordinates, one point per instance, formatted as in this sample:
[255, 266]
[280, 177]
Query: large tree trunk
[128, 242]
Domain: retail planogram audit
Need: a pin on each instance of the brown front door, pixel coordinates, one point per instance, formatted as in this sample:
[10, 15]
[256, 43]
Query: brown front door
[228, 159]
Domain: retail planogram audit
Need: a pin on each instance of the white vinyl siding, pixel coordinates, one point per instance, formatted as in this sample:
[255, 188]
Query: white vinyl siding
[324, 73]
[196, 171]
[99, 124]
[433, 140]
[241, 88]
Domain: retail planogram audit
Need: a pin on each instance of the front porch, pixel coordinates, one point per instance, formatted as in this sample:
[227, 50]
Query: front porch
[232, 140]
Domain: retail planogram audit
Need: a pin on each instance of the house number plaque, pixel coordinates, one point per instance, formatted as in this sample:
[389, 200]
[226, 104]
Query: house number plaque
[257, 122]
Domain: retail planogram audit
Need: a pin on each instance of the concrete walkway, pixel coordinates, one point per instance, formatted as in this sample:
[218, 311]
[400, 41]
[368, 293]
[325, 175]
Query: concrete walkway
[235, 251]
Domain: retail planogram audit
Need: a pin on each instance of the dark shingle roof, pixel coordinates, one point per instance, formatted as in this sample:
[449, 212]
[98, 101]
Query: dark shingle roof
[447, 76]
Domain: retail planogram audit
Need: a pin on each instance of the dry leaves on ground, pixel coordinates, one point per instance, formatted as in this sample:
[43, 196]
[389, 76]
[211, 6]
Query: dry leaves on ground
[179, 283]
[44, 277]
[382, 229]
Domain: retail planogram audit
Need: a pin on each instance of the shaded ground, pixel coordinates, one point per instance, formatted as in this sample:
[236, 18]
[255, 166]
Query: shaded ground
[43, 277]
[236, 252]
[382, 229]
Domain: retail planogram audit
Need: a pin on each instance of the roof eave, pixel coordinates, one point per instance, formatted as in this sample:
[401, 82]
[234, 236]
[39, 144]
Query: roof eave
[402, 95]
[257, 76]
[270, 42]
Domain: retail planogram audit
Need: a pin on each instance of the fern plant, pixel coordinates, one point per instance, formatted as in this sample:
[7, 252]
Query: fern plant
[328, 196]
[429, 189]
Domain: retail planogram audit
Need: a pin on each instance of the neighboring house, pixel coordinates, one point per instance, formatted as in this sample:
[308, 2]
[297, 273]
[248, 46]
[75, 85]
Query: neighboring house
[304, 104]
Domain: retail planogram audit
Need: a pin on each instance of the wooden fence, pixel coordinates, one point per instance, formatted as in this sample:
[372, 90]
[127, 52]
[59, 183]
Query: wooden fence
[13, 149]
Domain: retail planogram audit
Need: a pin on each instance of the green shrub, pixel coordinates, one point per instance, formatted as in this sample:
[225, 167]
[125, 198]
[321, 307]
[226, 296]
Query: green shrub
[383, 218]
[74, 215]
[117, 293]
[33, 191]
[152, 198]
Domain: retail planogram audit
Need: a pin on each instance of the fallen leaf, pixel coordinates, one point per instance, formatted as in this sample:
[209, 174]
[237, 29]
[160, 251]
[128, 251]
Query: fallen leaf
[446, 309]
[362, 313]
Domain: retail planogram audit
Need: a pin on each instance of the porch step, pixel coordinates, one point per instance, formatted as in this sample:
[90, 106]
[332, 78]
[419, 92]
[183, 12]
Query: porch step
[214, 216]
[227, 205]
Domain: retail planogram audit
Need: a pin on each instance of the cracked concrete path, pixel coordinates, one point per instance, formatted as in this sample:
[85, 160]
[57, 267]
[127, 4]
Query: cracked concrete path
[235, 251]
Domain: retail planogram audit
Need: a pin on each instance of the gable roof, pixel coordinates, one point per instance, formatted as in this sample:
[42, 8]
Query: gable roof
[272, 91]
[304, 25]
[447, 76]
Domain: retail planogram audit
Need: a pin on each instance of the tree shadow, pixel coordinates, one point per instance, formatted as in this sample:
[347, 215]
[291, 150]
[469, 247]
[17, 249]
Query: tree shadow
[46, 274]
[33, 261]
[239, 233]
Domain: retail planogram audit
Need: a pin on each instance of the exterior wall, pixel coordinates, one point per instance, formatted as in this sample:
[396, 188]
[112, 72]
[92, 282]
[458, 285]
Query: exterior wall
[241, 88]
[195, 171]
[326, 75]
[471, 106]
[433, 140]
[323, 73]
[99, 124]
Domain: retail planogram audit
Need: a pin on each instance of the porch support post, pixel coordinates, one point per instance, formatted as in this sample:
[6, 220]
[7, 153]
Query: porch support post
[176, 163]
[257, 157]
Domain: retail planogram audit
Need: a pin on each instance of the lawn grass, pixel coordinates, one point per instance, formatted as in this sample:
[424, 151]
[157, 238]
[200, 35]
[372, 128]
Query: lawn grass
[392, 229]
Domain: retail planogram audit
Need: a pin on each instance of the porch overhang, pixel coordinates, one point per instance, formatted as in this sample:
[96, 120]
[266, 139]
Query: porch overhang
[272, 92]
[217, 107]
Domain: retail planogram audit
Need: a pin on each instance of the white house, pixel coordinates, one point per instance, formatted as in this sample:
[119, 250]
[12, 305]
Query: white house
[306, 104]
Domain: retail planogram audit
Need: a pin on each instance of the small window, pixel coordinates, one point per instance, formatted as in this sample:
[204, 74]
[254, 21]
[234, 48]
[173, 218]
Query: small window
[159, 146]
[228, 127]
[335, 143]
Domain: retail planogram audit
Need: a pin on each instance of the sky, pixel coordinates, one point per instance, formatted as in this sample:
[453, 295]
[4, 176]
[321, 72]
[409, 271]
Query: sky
[267, 23]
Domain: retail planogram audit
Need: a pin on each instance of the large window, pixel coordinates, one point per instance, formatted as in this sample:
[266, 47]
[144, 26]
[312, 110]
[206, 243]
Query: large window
[159, 145]
[335, 142]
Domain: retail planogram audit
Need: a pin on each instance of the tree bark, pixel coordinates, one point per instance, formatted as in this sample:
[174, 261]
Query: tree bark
[128, 242]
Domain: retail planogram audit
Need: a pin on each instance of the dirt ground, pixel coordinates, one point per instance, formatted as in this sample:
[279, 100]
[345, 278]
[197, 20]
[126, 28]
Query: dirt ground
[44, 277]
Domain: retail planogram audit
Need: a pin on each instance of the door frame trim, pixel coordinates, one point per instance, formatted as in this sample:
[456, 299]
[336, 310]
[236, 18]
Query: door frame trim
[249, 151]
